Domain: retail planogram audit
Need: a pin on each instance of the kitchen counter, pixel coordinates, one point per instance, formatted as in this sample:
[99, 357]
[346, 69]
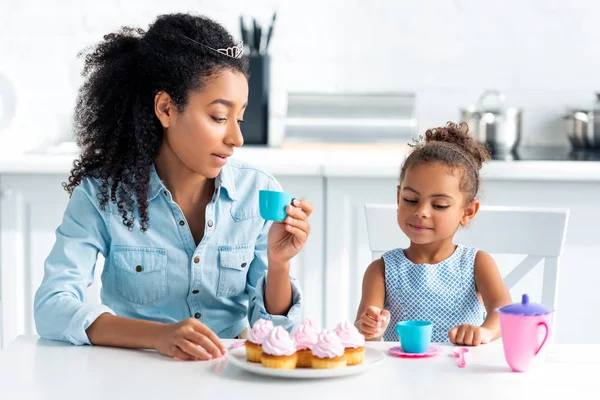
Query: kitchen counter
[381, 162]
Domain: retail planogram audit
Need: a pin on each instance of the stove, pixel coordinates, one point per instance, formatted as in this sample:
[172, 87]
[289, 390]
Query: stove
[549, 154]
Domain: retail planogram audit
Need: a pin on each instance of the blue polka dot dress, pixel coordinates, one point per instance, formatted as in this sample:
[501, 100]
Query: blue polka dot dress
[442, 293]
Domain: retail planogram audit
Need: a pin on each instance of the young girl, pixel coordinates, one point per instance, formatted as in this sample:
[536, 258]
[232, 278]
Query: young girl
[434, 279]
[155, 193]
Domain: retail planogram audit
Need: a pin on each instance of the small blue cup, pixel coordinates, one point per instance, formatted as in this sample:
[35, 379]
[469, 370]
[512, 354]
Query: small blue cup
[272, 204]
[415, 335]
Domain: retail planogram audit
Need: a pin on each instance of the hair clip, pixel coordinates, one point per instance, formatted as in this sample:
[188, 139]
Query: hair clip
[417, 142]
[236, 51]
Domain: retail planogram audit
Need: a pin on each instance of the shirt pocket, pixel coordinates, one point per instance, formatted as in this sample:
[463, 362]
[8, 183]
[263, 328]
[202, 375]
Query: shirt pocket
[141, 273]
[234, 262]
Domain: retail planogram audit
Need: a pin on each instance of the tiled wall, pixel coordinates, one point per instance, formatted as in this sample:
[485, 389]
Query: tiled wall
[545, 54]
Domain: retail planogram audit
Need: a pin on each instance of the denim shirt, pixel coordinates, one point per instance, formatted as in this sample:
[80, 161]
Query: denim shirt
[161, 275]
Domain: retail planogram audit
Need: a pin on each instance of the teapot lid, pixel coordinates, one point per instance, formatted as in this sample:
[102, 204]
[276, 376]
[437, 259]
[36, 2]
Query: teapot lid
[525, 308]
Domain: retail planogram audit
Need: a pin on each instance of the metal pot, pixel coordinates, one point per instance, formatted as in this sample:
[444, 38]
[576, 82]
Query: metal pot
[583, 126]
[496, 125]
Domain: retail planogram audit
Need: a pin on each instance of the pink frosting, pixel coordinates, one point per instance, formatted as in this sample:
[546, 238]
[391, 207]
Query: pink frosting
[306, 335]
[279, 343]
[260, 331]
[329, 345]
[349, 335]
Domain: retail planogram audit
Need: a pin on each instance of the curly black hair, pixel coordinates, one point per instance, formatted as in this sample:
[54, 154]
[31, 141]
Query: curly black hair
[454, 147]
[115, 123]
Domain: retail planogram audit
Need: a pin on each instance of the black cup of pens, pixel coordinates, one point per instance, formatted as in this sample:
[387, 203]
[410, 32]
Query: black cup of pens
[256, 117]
[256, 40]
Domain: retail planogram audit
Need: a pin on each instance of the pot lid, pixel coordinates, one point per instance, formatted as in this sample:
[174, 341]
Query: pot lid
[589, 107]
[491, 101]
[526, 308]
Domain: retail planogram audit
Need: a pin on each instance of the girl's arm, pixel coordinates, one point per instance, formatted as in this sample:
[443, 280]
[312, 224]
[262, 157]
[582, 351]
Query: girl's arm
[371, 318]
[493, 291]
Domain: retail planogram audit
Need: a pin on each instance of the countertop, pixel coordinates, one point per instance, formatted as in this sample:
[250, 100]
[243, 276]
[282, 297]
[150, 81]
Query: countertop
[33, 368]
[370, 162]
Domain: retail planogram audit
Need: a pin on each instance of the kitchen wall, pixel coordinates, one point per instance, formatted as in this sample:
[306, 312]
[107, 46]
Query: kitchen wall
[543, 53]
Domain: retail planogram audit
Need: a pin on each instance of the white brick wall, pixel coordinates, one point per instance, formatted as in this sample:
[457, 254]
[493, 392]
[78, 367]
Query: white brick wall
[545, 54]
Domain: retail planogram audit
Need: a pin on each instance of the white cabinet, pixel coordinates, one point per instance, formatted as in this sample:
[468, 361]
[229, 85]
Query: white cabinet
[332, 264]
[307, 267]
[31, 208]
[580, 263]
[347, 253]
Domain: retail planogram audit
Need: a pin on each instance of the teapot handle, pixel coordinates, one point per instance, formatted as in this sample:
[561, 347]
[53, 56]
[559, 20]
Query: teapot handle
[545, 337]
[8, 97]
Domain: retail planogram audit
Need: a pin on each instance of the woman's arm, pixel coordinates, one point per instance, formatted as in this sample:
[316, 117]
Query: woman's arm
[59, 309]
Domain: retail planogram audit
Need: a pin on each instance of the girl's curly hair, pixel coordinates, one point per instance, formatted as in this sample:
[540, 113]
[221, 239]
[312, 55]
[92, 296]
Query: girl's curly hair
[115, 123]
[454, 147]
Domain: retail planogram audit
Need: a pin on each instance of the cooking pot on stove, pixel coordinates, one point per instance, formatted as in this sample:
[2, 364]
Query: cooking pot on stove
[583, 125]
[493, 123]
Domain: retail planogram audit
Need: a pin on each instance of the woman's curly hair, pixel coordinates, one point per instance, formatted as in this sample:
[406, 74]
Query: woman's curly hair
[115, 123]
[454, 147]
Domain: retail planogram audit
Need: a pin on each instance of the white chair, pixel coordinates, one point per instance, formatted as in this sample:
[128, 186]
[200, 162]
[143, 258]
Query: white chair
[537, 232]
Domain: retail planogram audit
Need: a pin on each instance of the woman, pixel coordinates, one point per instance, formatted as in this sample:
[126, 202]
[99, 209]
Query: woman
[155, 193]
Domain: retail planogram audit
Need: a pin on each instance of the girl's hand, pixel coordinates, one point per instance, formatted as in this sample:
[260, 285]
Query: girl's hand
[470, 335]
[188, 340]
[287, 238]
[373, 322]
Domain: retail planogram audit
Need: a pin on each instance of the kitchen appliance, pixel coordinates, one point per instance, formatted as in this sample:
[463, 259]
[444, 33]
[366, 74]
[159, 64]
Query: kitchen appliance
[583, 125]
[494, 123]
[350, 118]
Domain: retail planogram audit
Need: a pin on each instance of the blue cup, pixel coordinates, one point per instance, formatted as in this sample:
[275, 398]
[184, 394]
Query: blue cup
[272, 204]
[415, 335]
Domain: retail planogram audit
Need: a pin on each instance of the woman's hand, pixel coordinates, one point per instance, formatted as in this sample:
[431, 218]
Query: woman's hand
[188, 340]
[287, 238]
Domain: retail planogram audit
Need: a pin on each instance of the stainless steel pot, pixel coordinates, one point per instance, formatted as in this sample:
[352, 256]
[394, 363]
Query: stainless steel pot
[583, 126]
[496, 125]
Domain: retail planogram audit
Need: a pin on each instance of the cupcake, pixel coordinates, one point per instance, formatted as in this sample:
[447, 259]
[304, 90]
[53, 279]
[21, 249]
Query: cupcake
[279, 350]
[353, 341]
[328, 352]
[305, 336]
[256, 336]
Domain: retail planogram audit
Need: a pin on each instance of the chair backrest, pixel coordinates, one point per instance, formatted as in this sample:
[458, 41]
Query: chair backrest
[538, 233]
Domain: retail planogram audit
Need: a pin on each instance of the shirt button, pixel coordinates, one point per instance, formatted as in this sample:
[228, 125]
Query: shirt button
[210, 223]
[165, 192]
[197, 315]
[139, 268]
[195, 291]
[182, 222]
[196, 260]
[244, 265]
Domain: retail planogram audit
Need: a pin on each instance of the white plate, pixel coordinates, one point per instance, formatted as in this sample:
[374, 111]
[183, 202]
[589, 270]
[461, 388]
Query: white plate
[237, 357]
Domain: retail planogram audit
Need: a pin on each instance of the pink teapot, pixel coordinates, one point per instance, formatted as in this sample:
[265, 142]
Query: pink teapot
[525, 329]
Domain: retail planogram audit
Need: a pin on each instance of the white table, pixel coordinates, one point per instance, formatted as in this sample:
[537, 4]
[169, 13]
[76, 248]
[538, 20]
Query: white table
[33, 368]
